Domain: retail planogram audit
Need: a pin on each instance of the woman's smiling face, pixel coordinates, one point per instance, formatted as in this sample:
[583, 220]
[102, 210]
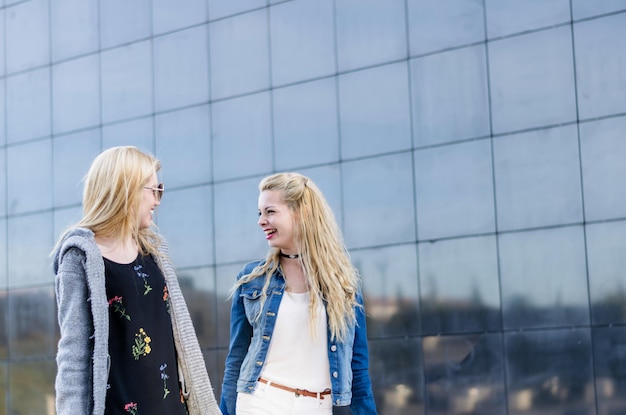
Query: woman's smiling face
[277, 221]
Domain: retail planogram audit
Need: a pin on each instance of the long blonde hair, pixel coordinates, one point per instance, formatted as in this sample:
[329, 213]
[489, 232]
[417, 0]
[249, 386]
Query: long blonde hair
[327, 267]
[112, 194]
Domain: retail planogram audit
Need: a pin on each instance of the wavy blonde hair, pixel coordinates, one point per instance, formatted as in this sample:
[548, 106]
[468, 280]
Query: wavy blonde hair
[112, 195]
[328, 270]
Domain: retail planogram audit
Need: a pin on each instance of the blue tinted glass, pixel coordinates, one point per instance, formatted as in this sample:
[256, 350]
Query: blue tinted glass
[543, 278]
[551, 364]
[181, 73]
[609, 349]
[3, 183]
[305, 124]
[32, 321]
[370, 184]
[39, 392]
[603, 151]
[72, 156]
[28, 191]
[28, 105]
[396, 371]
[600, 66]
[464, 374]
[127, 82]
[454, 190]
[532, 80]
[585, 8]
[374, 107]
[369, 32]
[459, 285]
[124, 21]
[328, 180]
[185, 221]
[64, 218]
[538, 178]
[606, 261]
[30, 241]
[221, 8]
[183, 140]
[225, 280]
[450, 104]
[28, 27]
[390, 289]
[436, 25]
[3, 257]
[139, 133]
[236, 215]
[302, 48]
[3, 113]
[74, 27]
[75, 97]
[4, 340]
[505, 17]
[242, 136]
[239, 54]
[168, 15]
[198, 287]
[2, 48]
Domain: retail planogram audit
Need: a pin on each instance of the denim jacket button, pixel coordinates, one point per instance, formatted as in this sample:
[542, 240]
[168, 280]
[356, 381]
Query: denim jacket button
[266, 338]
[335, 374]
[333, 348]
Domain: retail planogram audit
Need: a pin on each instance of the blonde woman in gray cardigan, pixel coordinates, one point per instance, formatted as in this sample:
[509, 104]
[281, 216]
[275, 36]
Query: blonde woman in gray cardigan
[127, 343]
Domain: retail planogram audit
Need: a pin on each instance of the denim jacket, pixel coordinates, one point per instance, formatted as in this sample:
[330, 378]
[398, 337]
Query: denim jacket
[250, 339]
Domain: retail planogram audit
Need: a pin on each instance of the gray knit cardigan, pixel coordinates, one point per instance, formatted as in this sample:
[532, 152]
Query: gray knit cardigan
[82, 358]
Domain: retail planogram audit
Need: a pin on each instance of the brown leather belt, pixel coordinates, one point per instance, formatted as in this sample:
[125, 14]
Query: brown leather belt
[297, 392]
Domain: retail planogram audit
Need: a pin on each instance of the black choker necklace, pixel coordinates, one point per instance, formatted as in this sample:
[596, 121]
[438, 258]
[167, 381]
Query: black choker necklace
[290, 256]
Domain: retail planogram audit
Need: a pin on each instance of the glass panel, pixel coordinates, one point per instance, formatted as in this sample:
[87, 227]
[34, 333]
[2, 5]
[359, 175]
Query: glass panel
[168, 15]
[4, 329]
[222, 8]
[241, 126]
[600, 66]
[27, 25]
[464, 374]
[139, 133]
[603, 151]
[72, 156]
[436, 25]
[124, 21]
[3, 182]
[302, 48]
[198, 287]
[450, 104]
[609, 356]
[454, 190]
[2, 72]
[236, 215]
[374, 107]
[584, 8]
[606, 261]
[183, 139]
[370, 32]
[185, 221]
[33, 384]
[549, 372]
[239, 55]
[30, 241]
[390, 289]
[226, 277]
[127, 82]
[396, 372]
[543, 278]
[328, 180]
[3, 257]
[28, 105]
[305, 124]
[181, 69]
[74, 27]
[4, 387]
[63, 219]
[505, 17]
[373, 183]
[32, 321]
[532, 80]
[27, 191]
[538, 178]
[75, 94]
[459, 285]
[3, 112]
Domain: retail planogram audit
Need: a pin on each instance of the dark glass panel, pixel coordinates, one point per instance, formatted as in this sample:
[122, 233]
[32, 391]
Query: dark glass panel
[31, 386]
[198, 287]
[609, 355]
[32, 322]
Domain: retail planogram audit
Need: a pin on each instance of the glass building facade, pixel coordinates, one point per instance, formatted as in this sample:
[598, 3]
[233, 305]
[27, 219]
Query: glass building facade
[474, 152]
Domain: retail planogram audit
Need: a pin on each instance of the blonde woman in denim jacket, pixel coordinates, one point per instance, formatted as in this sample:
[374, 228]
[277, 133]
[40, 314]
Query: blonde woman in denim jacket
[298, 341]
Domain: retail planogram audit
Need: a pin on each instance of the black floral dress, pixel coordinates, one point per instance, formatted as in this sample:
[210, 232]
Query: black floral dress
[143, 378]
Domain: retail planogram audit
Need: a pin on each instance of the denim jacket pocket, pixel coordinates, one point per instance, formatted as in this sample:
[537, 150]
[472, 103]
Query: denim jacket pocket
[251, 302]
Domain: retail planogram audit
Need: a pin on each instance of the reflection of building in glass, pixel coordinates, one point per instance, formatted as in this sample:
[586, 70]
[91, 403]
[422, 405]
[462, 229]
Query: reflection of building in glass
[473, 152]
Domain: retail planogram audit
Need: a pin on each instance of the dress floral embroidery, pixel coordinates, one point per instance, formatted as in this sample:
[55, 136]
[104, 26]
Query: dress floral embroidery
[143, 378]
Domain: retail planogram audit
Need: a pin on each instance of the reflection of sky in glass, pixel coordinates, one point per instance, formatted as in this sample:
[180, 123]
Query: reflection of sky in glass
[29, 244]
[168, 15]
[29, 188]
[505, 17]
[137, 133]
[64, 218]
[3, 182]
[27, 25]
[124, 21]
[28, 105]
[221, 8]
[74, 28]
[585, 8]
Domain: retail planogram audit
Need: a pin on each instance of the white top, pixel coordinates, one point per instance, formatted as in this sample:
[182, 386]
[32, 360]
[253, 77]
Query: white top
[298, 357]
